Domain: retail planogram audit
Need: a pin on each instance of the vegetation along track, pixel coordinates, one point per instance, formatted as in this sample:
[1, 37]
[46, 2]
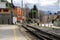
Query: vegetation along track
[41, 34]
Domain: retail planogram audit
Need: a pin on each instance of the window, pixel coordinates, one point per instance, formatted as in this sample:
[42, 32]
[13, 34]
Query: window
[0, 15]
[5, 10]
[0, 10]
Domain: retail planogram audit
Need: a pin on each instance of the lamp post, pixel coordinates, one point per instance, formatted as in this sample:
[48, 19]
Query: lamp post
[11, 8]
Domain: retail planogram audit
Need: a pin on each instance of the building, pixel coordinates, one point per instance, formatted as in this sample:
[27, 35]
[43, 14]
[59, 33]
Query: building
[5, 14]
[2, 4]
[18, 13]
[41, 15]
[45, 18]
[57, 19]
[26, 11]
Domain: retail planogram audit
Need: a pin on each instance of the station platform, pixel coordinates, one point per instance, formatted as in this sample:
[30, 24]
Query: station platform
[10, 32]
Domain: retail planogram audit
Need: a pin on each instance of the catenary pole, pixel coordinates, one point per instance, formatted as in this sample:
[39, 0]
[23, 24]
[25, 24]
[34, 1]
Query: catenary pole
[11, 11]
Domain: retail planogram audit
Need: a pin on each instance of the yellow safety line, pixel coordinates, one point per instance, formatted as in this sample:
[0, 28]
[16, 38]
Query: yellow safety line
[15, 38]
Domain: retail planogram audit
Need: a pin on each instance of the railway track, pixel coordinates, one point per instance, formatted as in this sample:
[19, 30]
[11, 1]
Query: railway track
[40, 34]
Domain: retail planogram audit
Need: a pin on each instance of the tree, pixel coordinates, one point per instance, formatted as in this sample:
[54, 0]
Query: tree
[33, 12]
[3, 0]
[8, 5]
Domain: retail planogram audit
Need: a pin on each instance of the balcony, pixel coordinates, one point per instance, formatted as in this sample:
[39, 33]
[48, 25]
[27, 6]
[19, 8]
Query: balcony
[4, 11]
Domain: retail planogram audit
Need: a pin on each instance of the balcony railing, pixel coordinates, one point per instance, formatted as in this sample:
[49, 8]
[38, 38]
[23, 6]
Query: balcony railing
[4, 11]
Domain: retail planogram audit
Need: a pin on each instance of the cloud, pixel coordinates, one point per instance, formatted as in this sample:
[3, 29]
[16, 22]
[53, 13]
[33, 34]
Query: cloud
[41, 2]
[32, 1]
[46, 4]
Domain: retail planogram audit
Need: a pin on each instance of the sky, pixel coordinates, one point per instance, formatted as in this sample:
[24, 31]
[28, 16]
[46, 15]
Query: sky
[46, 5]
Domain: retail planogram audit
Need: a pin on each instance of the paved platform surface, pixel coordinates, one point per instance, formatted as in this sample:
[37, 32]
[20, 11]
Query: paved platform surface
[10, 32]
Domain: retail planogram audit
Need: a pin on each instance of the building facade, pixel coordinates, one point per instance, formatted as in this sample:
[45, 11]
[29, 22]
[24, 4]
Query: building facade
[2, 4]
[5, 14]
[18, 13]
[57, 19]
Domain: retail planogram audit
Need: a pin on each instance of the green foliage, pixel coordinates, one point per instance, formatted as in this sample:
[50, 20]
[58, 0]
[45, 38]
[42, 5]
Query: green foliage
[3, 0]
[7, 5]
[34, 12]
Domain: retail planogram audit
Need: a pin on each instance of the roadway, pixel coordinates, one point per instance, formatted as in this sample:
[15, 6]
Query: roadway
[10, 32]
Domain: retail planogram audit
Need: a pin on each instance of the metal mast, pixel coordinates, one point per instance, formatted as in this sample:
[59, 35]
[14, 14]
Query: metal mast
[38, 12]
[11, 11]
[22, 3]
[58, 2]
[22, 9]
